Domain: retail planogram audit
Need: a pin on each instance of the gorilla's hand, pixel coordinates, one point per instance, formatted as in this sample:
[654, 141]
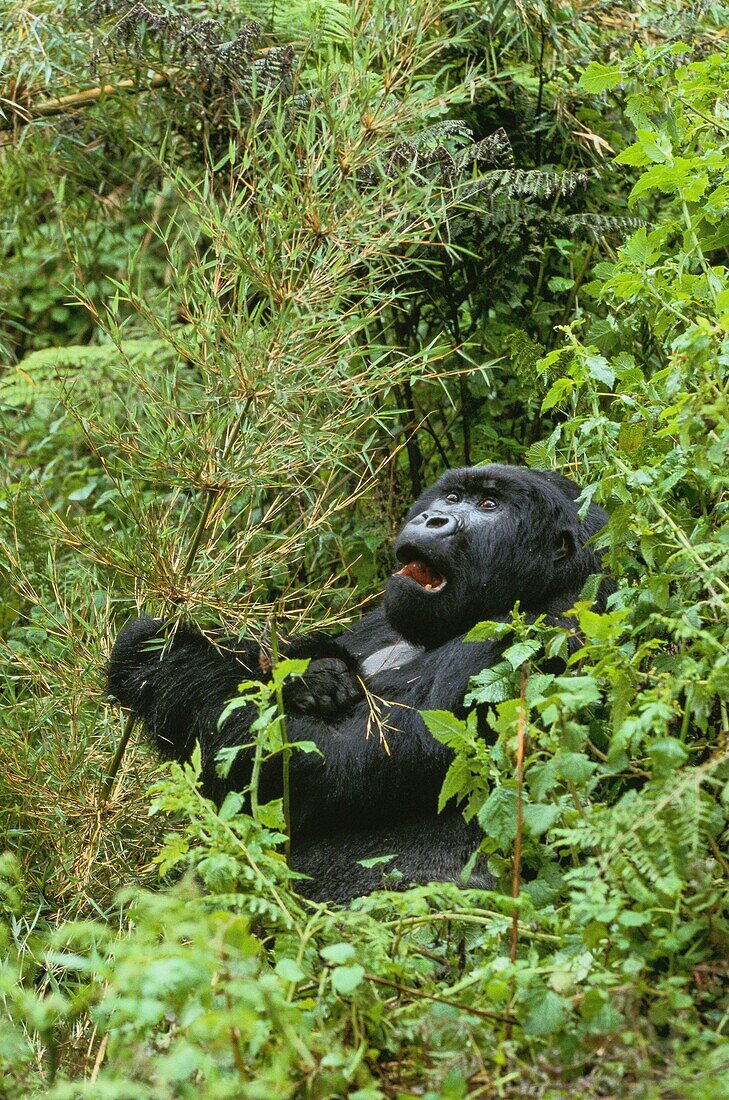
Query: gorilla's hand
[327, 688]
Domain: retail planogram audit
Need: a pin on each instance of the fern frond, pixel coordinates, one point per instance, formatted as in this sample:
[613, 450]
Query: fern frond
[496, 149]
[597, 225]
[517, 183]
[40, 374]
[651, 842]
[435, 134]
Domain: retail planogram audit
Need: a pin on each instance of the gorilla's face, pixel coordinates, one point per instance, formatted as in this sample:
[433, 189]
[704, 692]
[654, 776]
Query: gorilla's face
[482, 538]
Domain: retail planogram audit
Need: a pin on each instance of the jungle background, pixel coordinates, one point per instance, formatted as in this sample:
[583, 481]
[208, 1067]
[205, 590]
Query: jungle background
[267, 269]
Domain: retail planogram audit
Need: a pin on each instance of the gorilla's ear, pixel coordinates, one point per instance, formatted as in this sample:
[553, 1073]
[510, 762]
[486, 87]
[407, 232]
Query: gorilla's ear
[565, 546]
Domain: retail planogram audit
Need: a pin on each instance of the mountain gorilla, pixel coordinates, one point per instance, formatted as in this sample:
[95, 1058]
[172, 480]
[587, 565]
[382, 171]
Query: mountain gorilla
[476, 542]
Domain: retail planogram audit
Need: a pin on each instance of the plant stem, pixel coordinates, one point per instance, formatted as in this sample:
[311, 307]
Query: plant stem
[121, 748]
[419, 995]
[286, 749]
[60, 104]
[520, 740]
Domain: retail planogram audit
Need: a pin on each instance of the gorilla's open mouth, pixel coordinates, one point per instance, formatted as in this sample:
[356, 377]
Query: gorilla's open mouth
[423, 574]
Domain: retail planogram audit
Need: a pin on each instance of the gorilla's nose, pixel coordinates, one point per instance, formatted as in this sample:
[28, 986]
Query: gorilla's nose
[435, 523]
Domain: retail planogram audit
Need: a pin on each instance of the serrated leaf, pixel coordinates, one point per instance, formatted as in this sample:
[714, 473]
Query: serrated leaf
[453, 782]
[444, 726]
[338, 953]
[305, 746]
[667, 753]
[345, 979]
[634, 155]
[289, 970]
[631, 437]
[547, 1015]
[558, 392]
[492, 685]
[289, 667]
[578, 691]
[575, 766]
[681, 177]
[537, 686]
[497, 816]
[488, 631]
[600, 369]
[520, 652]
[598, 77]
[376, 861]
[540, 816]
[232, 805]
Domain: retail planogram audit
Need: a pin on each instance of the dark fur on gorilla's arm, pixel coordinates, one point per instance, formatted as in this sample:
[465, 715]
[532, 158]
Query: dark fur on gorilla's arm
[179, 687]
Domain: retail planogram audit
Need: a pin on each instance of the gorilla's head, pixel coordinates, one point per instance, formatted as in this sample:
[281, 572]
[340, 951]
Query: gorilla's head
[484, 537]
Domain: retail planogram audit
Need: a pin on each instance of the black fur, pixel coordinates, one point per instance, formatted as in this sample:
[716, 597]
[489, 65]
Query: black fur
[497, 534]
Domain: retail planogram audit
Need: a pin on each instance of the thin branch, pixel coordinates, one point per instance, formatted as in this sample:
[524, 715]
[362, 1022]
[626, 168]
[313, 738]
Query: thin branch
[417, 995]
[520, 740]
[58, 105]
[286, 751]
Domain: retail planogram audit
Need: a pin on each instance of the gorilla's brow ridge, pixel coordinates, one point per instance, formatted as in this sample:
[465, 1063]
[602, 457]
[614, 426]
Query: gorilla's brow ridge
[473, 483]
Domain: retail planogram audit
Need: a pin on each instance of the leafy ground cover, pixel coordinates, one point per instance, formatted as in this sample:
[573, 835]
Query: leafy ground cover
[264, 274]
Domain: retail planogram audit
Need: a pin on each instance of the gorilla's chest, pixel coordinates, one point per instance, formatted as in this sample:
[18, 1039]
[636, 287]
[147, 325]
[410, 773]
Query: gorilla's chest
[390, 657]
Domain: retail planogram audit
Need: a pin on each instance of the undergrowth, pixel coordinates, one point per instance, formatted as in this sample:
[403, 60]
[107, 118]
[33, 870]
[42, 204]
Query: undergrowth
[260, 285]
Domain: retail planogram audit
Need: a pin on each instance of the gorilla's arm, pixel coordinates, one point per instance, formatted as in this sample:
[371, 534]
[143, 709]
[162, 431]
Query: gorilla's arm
[176, 685]
[378, 762]
[177, 682]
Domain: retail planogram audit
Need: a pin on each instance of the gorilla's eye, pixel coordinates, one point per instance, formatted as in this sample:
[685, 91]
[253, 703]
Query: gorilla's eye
[488, 503]
[453, 498]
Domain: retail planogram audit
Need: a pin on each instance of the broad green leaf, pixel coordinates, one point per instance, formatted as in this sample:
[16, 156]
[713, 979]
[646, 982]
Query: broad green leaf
[575, 766]
[289, 970]
[631, 437]
[548, 1014]
[578, 691]
[232, 805]
[288, 667]
[558, 392]
[600, 78]
[517, 654]
[376, 861]
[454, 781]
[444, 725]
[651, 146]
[488, 631]
[492, 685]
[599, 368]
[338, 953]
[345, 979]
[667, 753]
[540, 816]
[497, 816]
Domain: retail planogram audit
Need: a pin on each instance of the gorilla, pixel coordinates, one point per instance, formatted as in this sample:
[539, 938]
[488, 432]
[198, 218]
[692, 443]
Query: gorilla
[478, 541]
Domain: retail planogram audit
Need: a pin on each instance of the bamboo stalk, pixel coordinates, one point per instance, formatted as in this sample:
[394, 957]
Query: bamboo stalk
[57, 105]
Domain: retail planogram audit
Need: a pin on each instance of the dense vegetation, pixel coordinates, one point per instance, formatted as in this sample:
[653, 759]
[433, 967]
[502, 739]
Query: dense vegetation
[267, 269]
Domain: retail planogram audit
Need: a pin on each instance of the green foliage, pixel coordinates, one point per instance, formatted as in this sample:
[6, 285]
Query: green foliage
[254, 298]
